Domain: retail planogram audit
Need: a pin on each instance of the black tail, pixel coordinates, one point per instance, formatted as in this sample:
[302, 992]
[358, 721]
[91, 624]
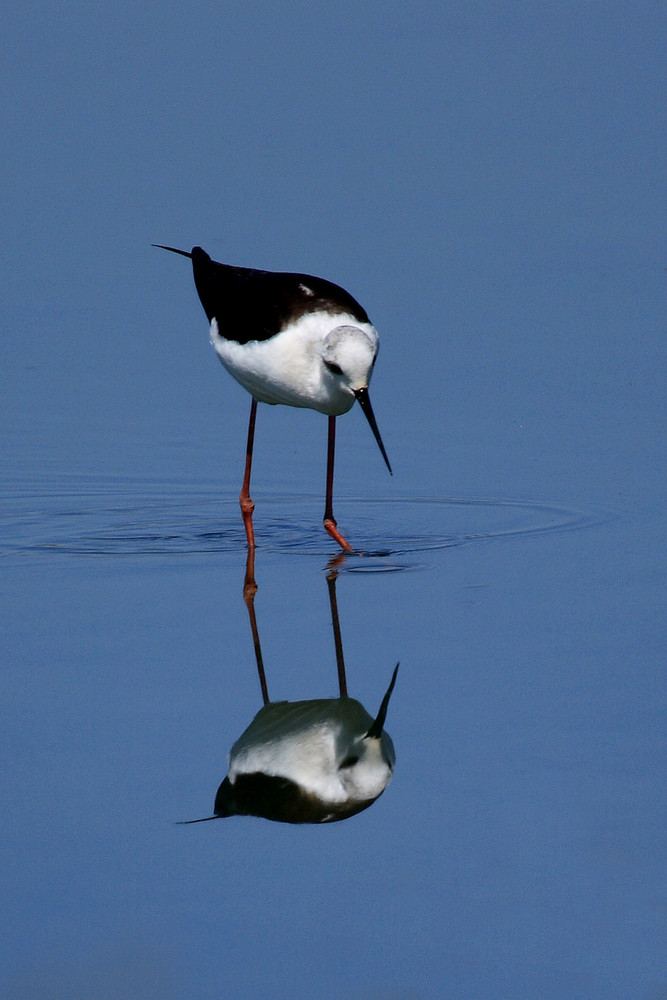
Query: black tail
[183, 253]
[204, 819]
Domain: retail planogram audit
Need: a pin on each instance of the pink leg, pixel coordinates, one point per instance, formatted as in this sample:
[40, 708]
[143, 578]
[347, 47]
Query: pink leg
[247, 506]
[329, 520]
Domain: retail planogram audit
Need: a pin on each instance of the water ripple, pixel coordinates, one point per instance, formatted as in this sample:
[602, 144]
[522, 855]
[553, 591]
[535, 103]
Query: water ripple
[168, 519]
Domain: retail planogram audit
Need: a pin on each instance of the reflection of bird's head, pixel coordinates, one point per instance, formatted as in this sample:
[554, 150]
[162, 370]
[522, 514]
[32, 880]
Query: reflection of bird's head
[368, 763]
[367, 767]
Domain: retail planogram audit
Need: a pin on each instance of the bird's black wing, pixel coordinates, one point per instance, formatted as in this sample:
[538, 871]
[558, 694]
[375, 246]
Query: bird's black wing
[249, 304]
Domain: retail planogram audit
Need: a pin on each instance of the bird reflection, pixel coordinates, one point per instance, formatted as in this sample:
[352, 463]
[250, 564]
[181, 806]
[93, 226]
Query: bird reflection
[313, 761]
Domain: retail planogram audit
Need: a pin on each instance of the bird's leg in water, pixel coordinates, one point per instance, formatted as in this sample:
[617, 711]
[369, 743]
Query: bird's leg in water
[329, 520]
[247, 506]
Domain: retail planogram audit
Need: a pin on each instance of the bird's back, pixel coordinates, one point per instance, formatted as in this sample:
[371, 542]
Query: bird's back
[250, 304]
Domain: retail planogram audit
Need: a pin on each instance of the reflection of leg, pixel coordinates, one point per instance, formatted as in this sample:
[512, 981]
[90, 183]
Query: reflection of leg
[247, 506]
[249, 591]
[329, 520]
[338, 642]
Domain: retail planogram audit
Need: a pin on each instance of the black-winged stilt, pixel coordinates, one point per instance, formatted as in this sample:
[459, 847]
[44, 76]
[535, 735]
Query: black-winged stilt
[293, 339]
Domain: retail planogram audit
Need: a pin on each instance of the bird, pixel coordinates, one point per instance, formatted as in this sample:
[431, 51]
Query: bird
[316, 761]
[291, 339]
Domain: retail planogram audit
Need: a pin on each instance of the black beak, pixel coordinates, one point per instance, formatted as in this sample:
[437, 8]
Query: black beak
[375, 732]
[365, 404]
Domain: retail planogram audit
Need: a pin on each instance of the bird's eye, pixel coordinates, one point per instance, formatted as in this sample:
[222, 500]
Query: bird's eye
[350, 761]
[334, 368]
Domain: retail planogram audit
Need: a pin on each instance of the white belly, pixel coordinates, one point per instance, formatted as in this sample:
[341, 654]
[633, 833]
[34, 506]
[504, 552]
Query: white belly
[287, 368]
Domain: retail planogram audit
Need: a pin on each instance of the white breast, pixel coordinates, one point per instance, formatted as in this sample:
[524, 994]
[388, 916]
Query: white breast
[288, 368]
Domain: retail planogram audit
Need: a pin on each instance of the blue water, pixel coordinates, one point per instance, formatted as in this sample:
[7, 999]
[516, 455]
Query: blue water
[488, 181]
[516, 851]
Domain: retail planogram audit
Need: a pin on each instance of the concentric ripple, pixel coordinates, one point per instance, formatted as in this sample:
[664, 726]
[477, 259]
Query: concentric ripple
[86, 518]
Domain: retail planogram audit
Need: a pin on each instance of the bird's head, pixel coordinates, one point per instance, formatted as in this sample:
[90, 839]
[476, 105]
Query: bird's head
[348, 356]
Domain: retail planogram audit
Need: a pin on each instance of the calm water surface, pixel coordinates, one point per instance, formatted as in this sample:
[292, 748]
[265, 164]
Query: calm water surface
[488, 180]
[514, 853]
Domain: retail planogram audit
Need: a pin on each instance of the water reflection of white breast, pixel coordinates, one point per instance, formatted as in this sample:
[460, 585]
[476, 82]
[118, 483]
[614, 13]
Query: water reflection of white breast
[321, 745]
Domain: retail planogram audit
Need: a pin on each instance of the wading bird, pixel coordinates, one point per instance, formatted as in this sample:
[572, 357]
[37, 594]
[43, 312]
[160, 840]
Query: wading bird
[293, 339]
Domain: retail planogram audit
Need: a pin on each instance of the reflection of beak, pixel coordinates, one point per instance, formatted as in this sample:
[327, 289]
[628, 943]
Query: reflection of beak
[365, 404]
[375, 732]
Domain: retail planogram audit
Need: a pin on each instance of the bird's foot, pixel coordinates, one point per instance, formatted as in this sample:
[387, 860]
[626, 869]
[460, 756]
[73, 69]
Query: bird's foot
[330, 526]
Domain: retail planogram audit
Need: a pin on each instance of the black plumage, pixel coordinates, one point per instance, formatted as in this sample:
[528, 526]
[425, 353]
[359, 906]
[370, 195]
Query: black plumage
[250, 304]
